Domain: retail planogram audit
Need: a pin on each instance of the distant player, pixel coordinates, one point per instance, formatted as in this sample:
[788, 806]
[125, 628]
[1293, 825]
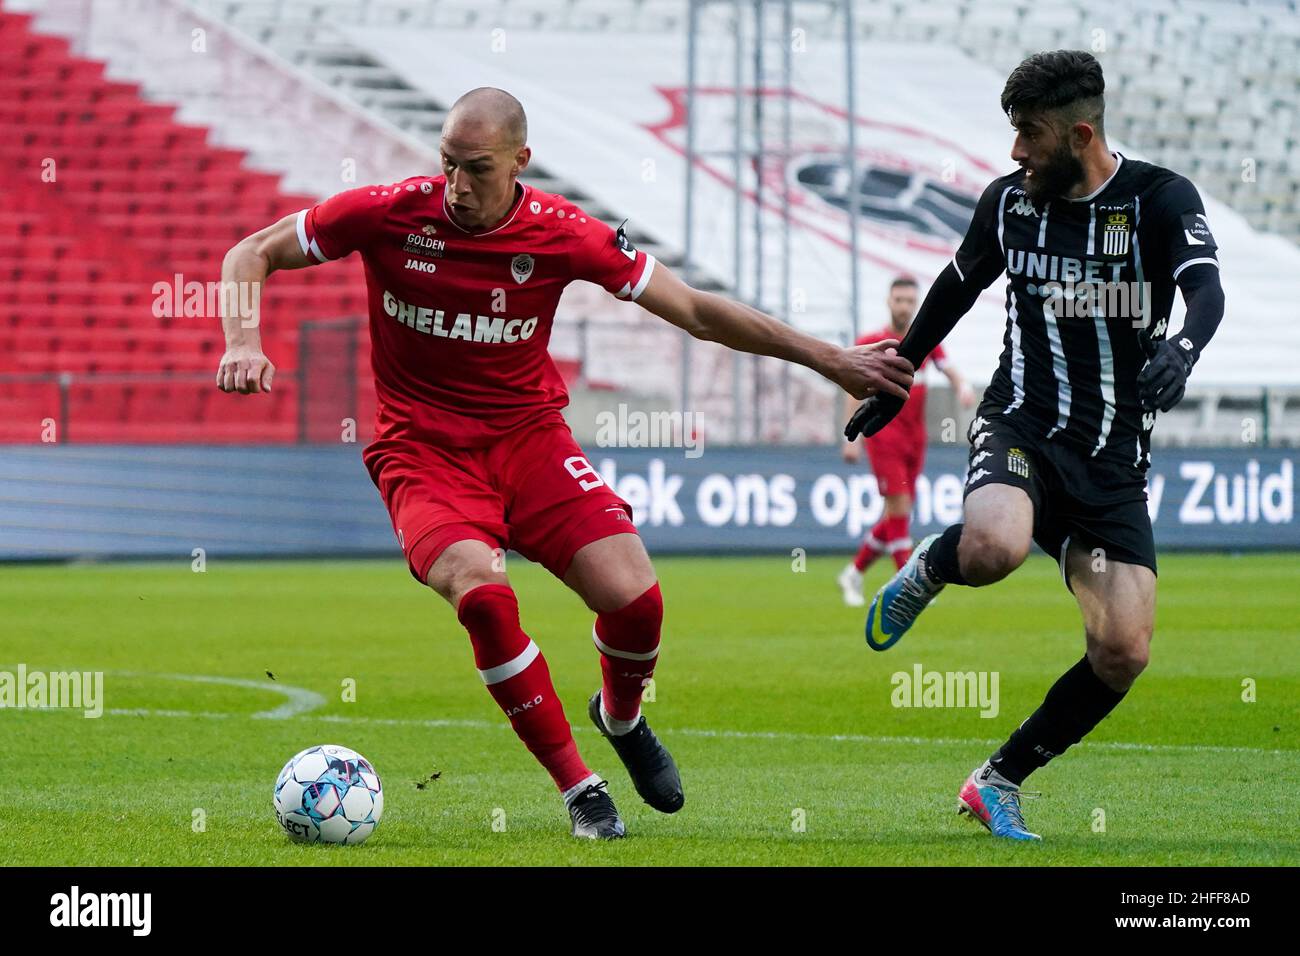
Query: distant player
[471, 454]
[896, 452]
[1093, 244]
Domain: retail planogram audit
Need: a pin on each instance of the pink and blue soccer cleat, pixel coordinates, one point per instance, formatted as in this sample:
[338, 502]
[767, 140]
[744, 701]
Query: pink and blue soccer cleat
[994, 804]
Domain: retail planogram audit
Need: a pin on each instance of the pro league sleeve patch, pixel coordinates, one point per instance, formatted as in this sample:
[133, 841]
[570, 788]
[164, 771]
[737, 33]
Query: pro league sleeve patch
[1196, 230]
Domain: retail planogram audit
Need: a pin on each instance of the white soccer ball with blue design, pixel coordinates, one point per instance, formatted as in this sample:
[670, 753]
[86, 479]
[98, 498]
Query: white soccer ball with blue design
[328, 794]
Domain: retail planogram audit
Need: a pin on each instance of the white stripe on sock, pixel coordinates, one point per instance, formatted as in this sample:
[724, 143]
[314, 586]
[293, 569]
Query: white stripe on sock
[626, 655]
[495, 675]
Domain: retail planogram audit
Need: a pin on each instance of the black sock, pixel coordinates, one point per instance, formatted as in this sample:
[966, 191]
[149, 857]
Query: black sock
[1077, 702]
[941, 560]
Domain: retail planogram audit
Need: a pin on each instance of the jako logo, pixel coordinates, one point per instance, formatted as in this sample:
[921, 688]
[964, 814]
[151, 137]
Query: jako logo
[526, 705]
[103, 909]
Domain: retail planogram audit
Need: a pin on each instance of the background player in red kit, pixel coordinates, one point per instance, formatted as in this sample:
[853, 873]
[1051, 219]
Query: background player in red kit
[471, 454]
[896, 452]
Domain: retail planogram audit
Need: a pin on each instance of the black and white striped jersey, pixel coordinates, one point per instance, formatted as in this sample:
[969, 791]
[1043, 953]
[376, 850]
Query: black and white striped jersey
[1084, 277]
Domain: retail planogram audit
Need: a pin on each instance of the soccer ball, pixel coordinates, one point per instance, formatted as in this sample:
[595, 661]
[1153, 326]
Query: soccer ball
[329, 794]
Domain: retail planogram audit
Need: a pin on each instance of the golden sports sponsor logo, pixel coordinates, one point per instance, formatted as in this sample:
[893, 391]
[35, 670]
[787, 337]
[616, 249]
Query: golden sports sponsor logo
[471, 328]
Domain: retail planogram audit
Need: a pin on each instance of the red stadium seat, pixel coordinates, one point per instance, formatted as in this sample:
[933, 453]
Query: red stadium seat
[136, 199]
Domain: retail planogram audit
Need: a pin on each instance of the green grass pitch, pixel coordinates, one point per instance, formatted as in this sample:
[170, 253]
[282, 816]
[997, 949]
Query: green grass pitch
[777, 712]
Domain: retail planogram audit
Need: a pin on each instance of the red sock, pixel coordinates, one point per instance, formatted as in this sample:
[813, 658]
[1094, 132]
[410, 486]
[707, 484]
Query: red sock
[899, 539]
[629, 648]
[873, 546]
[516, 676]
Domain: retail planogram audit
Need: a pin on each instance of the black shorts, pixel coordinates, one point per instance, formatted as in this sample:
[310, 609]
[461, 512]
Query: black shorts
[1097, 504]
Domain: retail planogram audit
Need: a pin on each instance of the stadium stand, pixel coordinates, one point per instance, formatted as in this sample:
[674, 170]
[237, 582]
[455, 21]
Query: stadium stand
[1206, 88]
[105, 266]
[1179, 94]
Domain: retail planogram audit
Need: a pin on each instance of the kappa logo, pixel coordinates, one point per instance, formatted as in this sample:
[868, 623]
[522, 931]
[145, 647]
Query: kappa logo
[977, 475]
[979, 458]
[980, 439]
[1017, 463]
[1024, 207]
[1159, 330]
[1148, 421]
[521, 267]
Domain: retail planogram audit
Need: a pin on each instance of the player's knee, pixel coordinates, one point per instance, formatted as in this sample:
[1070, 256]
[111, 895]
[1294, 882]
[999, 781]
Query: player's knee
[490, 609]
[453, 576]
[1120, 653]
[988, 554]
[634, 627]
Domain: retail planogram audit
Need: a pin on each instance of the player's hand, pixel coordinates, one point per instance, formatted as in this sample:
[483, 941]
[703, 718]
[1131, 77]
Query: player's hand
[864, 370]
[246, 370]
[966, 396]
[850, 452]
[1163, 381]
[872, 415]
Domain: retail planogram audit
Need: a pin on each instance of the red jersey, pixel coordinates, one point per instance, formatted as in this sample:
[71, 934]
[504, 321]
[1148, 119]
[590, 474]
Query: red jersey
[460, 320]
[909, 424]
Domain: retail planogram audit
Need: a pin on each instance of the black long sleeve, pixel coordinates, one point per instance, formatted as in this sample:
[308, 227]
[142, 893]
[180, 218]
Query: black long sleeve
[947, 301]
[1205, 301]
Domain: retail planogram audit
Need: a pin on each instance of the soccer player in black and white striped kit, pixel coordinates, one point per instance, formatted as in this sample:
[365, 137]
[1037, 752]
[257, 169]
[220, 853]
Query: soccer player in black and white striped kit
[1093, 245]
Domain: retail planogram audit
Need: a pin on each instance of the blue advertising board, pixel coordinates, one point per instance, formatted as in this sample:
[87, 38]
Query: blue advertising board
[162, 501]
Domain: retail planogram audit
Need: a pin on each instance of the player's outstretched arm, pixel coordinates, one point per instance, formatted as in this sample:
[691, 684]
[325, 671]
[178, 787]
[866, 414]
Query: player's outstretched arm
[861, 371]
[948, 300]
[244, 368]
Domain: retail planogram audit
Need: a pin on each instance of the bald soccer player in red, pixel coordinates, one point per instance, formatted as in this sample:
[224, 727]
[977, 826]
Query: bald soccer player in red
[471, 454]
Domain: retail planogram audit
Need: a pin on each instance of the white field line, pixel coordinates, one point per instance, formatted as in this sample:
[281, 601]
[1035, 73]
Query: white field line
[302, 701]
[743, 734]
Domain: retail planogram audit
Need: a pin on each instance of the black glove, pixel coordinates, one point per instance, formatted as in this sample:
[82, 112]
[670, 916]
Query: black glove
[872, 415]
[1164, 379]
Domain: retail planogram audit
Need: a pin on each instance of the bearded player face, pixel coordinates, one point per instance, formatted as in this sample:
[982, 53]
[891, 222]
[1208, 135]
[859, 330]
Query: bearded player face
[1052, 169]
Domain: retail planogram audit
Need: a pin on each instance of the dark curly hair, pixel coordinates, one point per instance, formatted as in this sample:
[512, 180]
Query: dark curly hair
[1066, 82]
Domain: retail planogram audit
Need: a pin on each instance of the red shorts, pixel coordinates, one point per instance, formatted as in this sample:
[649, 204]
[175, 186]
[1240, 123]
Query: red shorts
[533, 490]
[896, 464]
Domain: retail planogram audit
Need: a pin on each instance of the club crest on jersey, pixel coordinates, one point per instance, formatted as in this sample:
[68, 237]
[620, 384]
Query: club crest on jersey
[1017, 463]
[521, 267]
[1115, 232]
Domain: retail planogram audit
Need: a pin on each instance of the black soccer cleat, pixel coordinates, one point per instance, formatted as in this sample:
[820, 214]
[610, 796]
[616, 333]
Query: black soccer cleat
[648, 762]
[594, 815]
